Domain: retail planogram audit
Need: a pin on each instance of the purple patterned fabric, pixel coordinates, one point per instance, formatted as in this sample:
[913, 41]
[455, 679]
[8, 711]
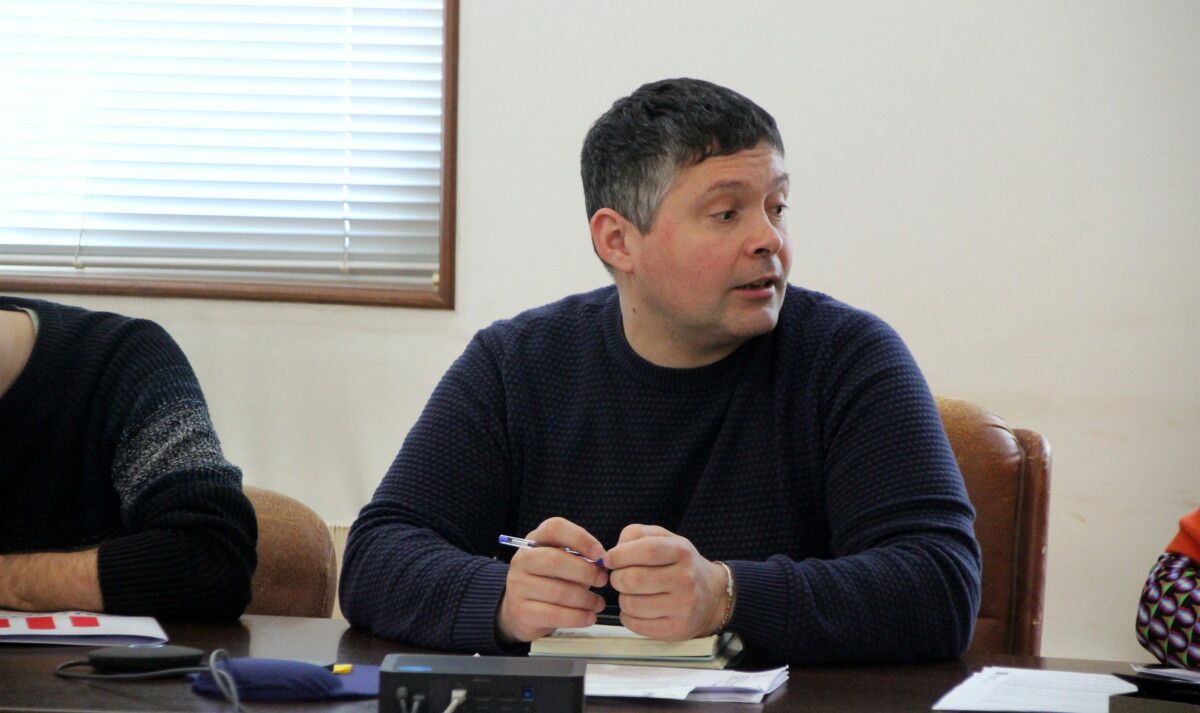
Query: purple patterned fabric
[1168, 613]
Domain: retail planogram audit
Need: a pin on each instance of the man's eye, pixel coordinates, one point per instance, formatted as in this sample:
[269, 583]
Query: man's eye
[779, 209]
[726, 215]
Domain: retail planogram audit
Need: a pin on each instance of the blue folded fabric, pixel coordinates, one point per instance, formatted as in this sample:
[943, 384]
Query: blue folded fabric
[282, 680]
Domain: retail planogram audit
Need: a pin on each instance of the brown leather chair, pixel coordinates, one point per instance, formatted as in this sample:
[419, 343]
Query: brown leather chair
[297, 571]
[1007, 472]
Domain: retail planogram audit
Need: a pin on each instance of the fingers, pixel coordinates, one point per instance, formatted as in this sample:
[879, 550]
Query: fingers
[661, 628]
[558, 617]
[637, 532]
[550, 561]
[548, 588]
[557, 591]
[554, 563]
[535, 605]
[538, 612]
[669, 616]
[648, 546]
[653, 606]
[667, 590]
[521, 619]
[561, 532]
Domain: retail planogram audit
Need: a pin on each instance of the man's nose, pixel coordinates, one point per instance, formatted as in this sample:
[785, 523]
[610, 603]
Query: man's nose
[768, 237]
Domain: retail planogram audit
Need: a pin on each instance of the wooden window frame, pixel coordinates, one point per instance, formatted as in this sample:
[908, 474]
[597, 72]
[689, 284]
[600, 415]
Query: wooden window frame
[440, 298]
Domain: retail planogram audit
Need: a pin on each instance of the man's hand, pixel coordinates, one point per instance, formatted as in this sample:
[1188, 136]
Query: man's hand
[668, 591]
[548, 588]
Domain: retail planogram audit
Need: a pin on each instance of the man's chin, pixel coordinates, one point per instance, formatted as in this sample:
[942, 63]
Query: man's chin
[756, 325]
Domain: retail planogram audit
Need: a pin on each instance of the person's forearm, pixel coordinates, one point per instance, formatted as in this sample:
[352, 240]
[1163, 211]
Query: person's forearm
[50, 581]
[909, 601]
[406, 583]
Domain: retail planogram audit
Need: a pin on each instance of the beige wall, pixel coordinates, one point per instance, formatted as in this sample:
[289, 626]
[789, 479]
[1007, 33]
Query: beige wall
[1014, 186]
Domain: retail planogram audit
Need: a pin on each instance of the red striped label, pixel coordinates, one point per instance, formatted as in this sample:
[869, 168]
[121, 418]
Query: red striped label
[40, 622]
[83, 622]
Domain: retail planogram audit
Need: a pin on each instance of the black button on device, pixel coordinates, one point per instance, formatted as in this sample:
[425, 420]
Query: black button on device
[139, 659]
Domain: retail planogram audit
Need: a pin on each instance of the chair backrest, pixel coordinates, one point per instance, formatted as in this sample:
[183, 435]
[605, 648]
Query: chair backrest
[297, 571]
[1007, 472]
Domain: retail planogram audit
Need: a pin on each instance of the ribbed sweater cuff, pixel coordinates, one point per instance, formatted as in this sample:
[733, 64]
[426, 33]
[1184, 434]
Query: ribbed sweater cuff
[762, 606]
[475, 624]
[132, 579]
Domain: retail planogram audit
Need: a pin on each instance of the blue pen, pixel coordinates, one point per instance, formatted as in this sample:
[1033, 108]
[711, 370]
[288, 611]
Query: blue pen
[525, 544]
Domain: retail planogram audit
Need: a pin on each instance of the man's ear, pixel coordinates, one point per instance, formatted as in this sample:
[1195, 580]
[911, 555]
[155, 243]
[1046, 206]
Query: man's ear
[613, 237]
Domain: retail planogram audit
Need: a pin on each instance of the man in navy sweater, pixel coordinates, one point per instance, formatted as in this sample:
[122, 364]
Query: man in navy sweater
[117, 497]
[741, 453]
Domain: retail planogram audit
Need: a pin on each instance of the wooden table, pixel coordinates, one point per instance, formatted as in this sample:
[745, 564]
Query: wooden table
[27, 682]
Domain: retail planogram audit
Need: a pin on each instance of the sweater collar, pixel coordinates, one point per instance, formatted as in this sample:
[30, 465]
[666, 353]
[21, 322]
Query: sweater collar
[710, 377]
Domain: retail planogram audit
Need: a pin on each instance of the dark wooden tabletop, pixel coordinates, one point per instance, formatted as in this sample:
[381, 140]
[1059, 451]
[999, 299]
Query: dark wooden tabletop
[27, 681]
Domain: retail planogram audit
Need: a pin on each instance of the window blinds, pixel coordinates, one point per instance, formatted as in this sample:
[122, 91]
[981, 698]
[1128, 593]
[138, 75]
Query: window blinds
[268, 141]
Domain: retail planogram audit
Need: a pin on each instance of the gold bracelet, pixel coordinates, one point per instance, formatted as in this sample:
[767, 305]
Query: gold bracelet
[728, 597]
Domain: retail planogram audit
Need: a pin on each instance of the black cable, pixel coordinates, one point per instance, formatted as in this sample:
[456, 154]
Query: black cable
[63, 672]
[222, 678]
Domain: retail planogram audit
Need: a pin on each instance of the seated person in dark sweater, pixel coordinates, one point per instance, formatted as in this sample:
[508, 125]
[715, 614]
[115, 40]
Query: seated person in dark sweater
[742, 453]
[116, 495]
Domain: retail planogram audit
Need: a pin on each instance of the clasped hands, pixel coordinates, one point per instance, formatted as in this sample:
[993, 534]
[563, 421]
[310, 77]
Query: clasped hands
[668, 591]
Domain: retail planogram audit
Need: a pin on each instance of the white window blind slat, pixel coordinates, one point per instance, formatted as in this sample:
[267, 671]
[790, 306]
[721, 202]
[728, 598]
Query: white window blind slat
[191, 139]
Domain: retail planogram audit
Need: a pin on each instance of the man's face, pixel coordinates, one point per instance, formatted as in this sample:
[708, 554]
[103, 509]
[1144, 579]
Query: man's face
[712, 270]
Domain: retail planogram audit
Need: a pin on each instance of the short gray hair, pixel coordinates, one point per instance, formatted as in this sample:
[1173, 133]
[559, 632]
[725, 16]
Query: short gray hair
[635, 150]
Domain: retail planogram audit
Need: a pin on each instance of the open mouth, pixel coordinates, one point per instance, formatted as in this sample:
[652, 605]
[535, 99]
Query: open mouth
[757, 284]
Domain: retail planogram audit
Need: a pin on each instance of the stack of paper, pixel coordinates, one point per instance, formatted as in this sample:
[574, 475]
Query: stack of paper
[77, 628]
[1019, 689]
[1160, 688]
[1181, 675]
[618, 681]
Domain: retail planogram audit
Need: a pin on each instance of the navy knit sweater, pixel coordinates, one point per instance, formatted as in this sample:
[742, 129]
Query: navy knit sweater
[105, 440]
[811, 460]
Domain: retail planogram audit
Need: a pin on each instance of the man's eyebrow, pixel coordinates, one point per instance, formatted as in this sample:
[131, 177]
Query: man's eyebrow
[735, 184]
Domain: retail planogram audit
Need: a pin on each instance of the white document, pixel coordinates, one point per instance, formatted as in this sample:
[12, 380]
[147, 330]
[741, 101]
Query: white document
[78, 628]
[619, 681]
[1021, 689]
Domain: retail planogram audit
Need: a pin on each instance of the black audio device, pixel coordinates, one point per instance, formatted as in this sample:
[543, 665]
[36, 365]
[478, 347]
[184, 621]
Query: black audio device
[486, 684]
